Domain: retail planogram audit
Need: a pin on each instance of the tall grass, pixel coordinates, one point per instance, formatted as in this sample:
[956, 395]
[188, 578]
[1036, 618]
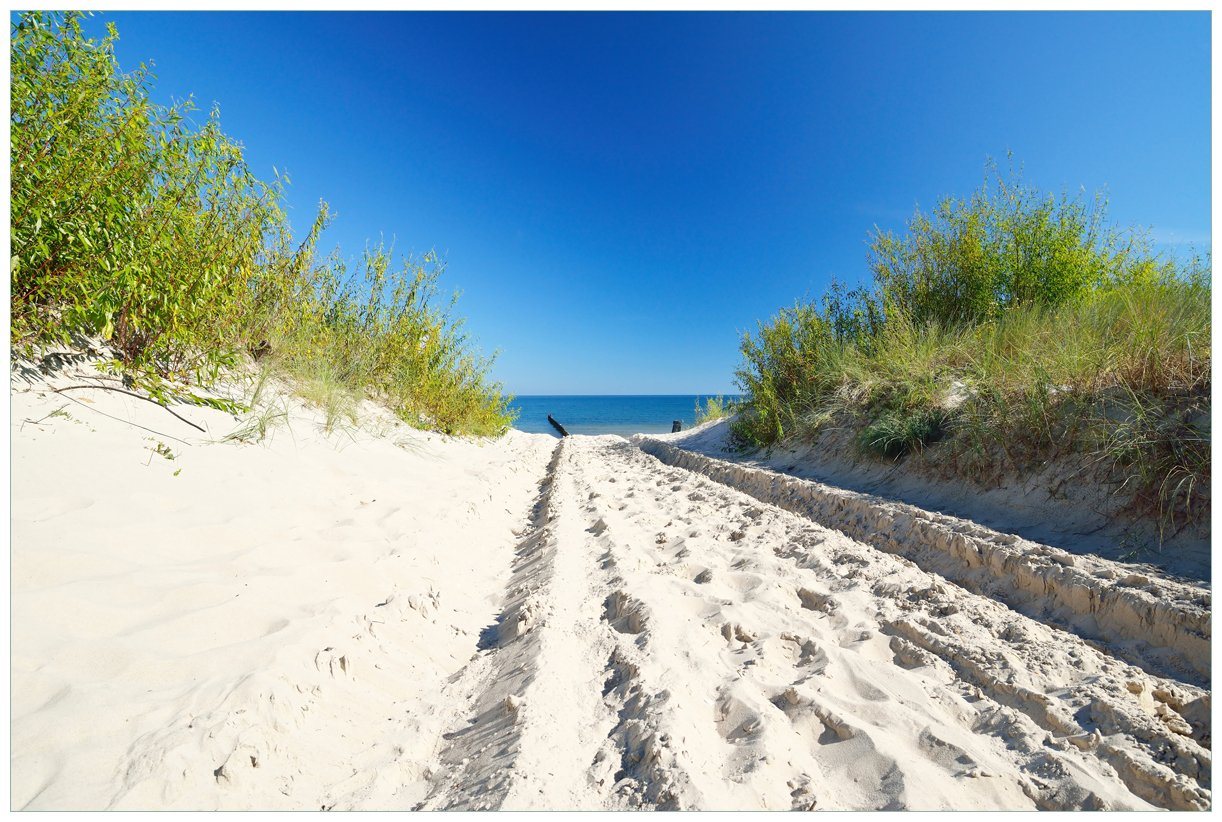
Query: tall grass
[1018, 327]
[136, 223]
[715, 408]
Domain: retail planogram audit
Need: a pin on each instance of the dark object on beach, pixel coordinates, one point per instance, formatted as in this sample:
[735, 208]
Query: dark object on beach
[261, 350]
[557, 425]
[676, 426]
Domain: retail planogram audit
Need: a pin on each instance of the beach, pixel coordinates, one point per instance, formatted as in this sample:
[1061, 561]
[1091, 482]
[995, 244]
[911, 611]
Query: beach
[349, 469]
[380, 618]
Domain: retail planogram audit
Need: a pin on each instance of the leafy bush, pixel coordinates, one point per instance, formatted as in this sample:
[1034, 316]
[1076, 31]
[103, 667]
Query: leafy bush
[1039, 329]
[126, 220]
[1005, 246]
[132, 223]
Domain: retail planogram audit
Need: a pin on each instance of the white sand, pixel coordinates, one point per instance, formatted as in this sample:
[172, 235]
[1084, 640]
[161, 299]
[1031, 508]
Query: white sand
[401, 620]
[1070, 501]
[266, 629]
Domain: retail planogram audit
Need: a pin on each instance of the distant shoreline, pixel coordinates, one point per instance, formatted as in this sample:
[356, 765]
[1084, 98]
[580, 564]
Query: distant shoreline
[597, 414]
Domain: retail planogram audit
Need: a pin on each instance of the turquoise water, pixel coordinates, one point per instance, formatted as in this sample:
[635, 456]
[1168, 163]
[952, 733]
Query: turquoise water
[618, 414]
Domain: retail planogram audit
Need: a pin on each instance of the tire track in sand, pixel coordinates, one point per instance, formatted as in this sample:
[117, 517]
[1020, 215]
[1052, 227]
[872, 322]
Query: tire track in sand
[1161, 624]
[669, 642]
[556, 715]
[1004, 712]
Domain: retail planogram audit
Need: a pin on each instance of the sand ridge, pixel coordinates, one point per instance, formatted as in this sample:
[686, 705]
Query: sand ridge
[1163, 623]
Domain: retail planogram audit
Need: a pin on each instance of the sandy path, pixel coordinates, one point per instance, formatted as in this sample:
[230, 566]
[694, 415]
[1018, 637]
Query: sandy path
[673, 643]
[396, 620]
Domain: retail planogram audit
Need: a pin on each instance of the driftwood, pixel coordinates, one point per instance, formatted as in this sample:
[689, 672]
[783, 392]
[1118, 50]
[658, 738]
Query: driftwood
[557, 425]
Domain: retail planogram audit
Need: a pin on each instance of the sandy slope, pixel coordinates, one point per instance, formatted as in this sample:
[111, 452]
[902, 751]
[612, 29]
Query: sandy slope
[270, 628]
[530, 623]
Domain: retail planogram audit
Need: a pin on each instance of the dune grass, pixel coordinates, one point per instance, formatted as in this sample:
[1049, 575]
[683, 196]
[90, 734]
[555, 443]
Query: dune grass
[715, 408]
[1017, 327]
[133, 222]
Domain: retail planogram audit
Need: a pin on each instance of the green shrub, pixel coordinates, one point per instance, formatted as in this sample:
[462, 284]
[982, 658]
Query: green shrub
[132, 223]
[1043, 331]
[1005, 246]
[126, 220]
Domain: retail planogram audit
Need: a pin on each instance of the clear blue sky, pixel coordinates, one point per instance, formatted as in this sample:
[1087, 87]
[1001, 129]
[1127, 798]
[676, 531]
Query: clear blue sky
[618, 197]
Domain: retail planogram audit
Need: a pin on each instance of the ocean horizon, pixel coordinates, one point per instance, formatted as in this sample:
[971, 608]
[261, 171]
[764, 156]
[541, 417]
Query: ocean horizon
[623, 414]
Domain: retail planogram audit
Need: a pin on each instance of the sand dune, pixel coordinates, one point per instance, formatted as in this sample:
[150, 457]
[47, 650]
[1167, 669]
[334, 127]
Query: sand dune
[262, 630]
[389, 619]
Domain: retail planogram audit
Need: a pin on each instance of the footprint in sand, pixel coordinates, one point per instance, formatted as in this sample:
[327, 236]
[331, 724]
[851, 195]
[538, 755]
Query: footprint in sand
[803, 653]
[733, 632]
[946, 754]
[815, 601]
[624, 613]
[735, 721]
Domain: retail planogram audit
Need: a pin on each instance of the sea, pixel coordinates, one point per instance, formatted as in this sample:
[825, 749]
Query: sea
[614, 414]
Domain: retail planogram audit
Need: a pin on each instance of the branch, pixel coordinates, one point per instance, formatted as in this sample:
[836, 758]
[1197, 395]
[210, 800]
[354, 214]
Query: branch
[125, 422]
[131, 394]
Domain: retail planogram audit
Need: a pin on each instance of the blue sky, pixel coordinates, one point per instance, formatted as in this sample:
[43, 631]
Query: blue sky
[619, 197]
